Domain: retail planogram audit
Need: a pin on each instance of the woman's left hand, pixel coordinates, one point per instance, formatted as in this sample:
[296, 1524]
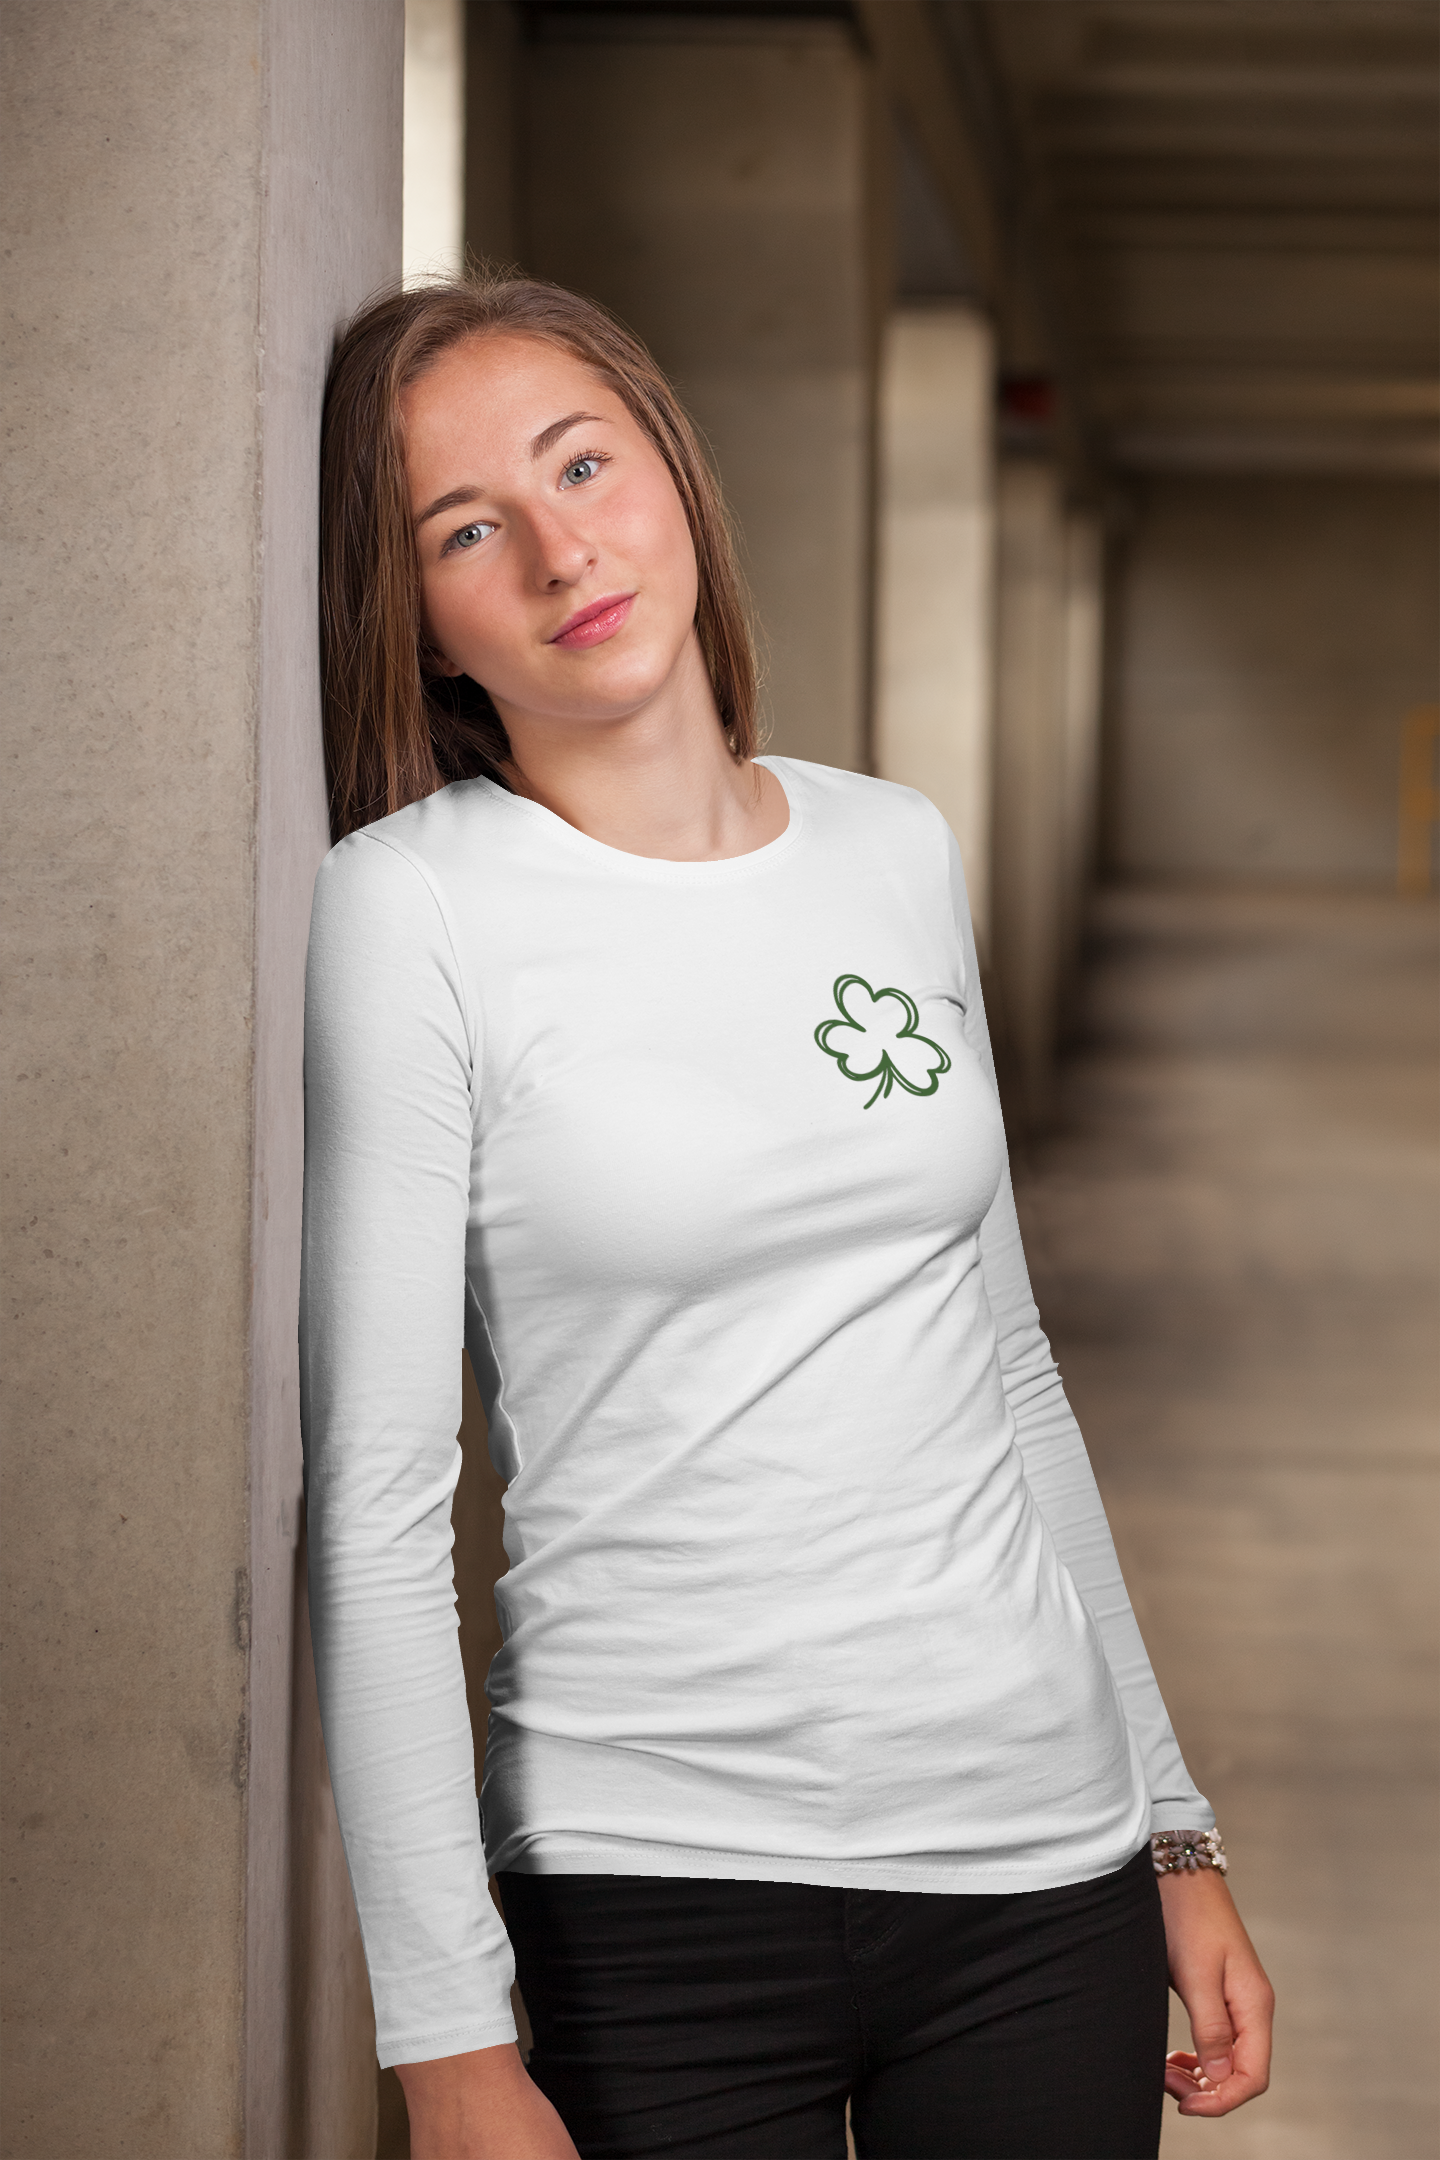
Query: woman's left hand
[1216, 1974]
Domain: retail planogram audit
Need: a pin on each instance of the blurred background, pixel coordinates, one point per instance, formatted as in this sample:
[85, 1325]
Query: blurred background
[1070, 367]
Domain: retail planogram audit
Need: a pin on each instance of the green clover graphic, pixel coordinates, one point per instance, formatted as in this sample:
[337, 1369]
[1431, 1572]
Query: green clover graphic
[879, 1035]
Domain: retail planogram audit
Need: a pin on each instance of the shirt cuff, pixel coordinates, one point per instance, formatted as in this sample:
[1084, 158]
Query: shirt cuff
[456, 2040]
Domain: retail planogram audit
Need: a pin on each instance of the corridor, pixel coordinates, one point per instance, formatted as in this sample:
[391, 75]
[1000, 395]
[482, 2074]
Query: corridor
[1233, 1238]
[1070, 373]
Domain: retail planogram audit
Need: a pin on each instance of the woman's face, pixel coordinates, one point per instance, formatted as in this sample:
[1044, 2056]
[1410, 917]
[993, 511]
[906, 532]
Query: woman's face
[557, 567]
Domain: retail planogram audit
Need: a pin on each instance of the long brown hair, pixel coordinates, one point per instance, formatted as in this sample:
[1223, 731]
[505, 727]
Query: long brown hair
[395, 728]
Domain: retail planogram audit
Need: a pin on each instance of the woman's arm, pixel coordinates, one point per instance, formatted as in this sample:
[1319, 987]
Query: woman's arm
[388, 1059]
[1216, 1974]
[1057, 1468]
[1062, 1484]
[480, 2106]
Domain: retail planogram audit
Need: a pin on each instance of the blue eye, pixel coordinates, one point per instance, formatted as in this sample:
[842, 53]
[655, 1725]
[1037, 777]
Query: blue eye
[469, 535]
[583, 469]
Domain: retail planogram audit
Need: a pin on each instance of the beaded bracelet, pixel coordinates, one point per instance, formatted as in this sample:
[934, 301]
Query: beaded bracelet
[1174, 1850]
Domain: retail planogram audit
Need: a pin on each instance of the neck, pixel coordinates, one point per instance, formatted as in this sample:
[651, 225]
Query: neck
[660, 781]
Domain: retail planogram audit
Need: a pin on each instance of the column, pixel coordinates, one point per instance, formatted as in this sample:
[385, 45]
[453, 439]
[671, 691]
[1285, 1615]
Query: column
[711, 180]
[1082, 665]
[935, 624]
[434, 197]
[197, 197]
[1028, 873]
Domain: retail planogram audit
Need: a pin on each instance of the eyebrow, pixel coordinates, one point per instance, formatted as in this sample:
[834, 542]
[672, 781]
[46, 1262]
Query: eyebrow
[470, 492]
[548, 437]
[467, 494]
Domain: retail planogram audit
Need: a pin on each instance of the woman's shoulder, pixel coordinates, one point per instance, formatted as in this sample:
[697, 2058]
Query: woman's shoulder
[881, 810]
[398, 877]
[431, 835]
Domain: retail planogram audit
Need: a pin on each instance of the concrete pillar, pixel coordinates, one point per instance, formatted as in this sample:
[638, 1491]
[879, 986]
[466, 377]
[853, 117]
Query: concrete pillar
[196, 197]
[1081, 662]
[1028, 871]
[434, 232]
[935, 623]
[714, 181]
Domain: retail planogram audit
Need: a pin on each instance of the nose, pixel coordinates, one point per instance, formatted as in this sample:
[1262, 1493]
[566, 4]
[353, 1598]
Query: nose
[560, 553]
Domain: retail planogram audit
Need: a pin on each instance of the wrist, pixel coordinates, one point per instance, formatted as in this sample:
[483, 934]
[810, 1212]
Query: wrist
[1176, 1852]
[447, 2077]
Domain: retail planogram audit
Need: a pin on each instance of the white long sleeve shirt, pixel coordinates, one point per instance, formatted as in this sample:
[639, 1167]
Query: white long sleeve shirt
[809, 1578]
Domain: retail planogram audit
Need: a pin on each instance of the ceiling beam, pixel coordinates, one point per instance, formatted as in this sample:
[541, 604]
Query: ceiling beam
[1237, 392]
[1329, 451]
[1001, 239]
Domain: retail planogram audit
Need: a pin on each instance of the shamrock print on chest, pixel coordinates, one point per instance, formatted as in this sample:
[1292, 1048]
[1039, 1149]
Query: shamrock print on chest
[877, 1038]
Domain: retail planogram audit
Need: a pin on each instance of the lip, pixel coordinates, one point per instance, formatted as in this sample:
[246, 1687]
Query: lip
[592, 625]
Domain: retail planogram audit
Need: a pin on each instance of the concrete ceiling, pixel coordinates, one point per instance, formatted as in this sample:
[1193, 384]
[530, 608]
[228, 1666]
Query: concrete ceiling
[1233, 213]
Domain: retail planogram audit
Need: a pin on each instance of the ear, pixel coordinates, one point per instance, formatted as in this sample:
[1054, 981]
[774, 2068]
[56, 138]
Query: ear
[434, 662]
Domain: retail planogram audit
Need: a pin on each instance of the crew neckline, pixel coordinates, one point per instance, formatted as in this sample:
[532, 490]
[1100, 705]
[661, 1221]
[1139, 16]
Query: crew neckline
[662, 869]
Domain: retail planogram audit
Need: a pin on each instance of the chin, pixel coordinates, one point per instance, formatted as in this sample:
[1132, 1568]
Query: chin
[613, 692]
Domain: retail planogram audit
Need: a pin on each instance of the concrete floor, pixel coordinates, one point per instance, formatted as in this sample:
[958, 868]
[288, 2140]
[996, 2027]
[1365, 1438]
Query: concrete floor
[1234, 1236]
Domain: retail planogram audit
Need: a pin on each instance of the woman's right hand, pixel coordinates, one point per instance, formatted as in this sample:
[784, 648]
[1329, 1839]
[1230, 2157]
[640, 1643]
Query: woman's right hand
[480, 2106]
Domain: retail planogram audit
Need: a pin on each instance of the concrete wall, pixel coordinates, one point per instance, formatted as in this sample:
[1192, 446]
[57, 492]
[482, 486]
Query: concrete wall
[196, 196]
[935, 619]
[1271, 634]
[714, 182]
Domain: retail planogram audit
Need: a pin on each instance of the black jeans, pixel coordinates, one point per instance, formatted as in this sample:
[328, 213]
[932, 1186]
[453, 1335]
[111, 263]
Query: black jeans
[731, 2020]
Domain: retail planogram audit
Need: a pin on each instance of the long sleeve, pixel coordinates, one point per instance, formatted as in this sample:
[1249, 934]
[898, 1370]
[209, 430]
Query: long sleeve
[1057, 1467]
[388, 1062]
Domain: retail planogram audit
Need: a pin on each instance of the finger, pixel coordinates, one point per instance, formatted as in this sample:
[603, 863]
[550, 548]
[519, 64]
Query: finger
[1212, 2033]
[1251, 2055]
[1207, 2098]
[1252, 2004]
[1225, 2099]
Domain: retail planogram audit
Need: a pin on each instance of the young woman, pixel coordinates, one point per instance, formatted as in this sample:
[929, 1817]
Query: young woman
[824, 1758]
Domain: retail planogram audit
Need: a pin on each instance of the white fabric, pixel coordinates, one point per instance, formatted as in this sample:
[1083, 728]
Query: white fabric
[809, 1578]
